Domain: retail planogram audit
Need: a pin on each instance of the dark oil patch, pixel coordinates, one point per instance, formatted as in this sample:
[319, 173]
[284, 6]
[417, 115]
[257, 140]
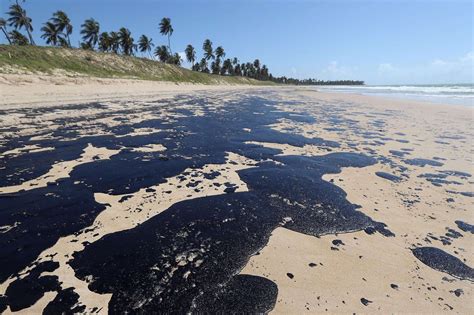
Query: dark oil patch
[423, 162]
[440, 260]
[186, 258]
[244, 294]
[25, 292]
[388, 176]
[65, 302]
[466, 227]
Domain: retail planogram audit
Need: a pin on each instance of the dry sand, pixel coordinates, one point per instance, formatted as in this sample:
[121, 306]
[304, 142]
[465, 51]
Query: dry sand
[380, 269]
[46, 90]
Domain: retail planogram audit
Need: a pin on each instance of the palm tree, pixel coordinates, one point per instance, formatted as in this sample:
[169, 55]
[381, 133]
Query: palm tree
[235, 61]
[175, 59]
[63, 24]
[256, 64]
[203, 65]
[114, 42]
[166, 29]
[50, 33]
[19, 19]
[104, 42]
[219, 52]
[216, 66]
[250, 69]
[227, 67]
[145, 44]
[264, 72]
[237, 69]
[190, 54]
[207, 47]
[18, 38]
[126, 41]
[90, 32]
[3, 26]
[162, 53]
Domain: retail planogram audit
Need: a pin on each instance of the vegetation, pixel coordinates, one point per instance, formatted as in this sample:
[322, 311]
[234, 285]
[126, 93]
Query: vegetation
[57, 31]
[77, 62]
[167, 30]
[145, 44]
[63, 25]
[18, 19]
[3, 27]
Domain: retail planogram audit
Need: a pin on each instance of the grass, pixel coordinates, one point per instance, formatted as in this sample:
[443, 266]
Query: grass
[35, 59]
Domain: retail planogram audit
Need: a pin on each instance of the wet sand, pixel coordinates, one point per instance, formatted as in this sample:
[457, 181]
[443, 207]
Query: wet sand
[314, 202]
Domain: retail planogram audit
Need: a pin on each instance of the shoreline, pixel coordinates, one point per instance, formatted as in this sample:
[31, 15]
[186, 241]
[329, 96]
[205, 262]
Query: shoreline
[411, 94]
[33, 90]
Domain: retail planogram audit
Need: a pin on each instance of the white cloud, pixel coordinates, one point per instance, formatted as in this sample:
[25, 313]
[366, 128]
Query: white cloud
[293, 71]
[438, 63]
[385, 67]
[469, 57]
[438, 71]
[334, 71]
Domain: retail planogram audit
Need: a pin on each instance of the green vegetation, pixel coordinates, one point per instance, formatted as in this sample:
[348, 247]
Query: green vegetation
[74, 61]
[56, 32]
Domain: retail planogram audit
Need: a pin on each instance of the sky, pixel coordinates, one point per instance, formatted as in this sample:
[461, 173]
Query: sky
[378, 41]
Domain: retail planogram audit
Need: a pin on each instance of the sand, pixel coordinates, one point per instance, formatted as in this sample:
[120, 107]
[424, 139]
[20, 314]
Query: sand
[373, 267]
[47, 90]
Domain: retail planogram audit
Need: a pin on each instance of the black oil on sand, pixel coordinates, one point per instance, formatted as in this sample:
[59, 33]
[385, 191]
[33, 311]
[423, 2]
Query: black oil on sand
[188, 257]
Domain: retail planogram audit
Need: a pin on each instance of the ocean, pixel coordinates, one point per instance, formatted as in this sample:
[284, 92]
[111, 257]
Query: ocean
[455, 94]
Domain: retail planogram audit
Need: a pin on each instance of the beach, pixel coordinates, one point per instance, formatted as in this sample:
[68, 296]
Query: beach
[125, 195]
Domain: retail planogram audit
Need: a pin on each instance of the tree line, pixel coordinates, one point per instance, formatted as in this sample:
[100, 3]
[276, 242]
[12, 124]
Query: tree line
[58, 29]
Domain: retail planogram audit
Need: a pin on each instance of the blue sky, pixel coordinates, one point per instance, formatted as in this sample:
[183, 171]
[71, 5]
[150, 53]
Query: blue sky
[381, 42]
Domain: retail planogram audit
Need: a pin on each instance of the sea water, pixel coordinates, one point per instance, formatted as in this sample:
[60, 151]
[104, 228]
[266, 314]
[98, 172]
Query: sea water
[456, 94]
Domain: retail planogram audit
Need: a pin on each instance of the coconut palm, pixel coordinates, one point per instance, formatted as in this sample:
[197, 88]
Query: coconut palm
[90, 32]
[203, 65]
[235, 61]
[227, 67]
[207, 47]
[162, 53]
[3, 27]
[126, 41]
[63, 24]
[174, 59]
[264, 72]
[256, 64]
[190, 54]
[256, 69]
[104, 42]
[18, 19]
[250, 69]
[18, 38]
[237, 69]
[62, 42]
[50, 33]
[166, 29]
[145, 44]
[219, 52]
[114, 42]
[216, 66]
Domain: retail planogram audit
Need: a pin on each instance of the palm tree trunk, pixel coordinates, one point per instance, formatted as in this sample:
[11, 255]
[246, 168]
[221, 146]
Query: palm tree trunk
[6, 35]
[169, 45]
[68, 41]
[32, 42]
